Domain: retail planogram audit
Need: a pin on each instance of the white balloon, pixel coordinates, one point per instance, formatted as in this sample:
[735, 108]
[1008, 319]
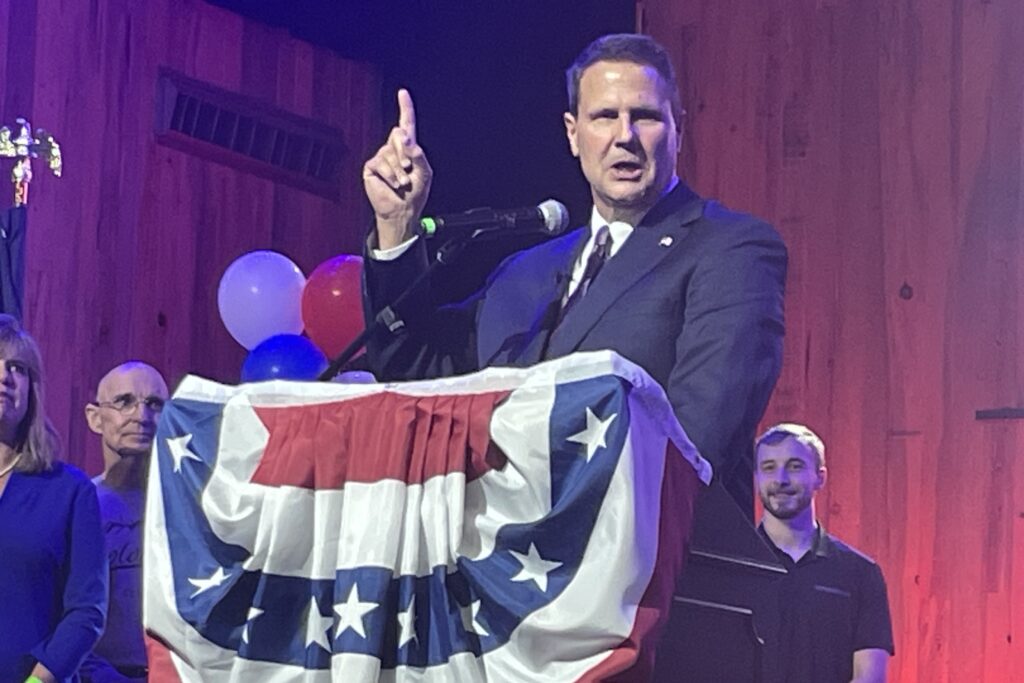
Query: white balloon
[260, 295]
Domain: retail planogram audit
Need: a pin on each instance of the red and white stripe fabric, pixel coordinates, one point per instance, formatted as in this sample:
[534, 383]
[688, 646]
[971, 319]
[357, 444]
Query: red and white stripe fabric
[510, 525]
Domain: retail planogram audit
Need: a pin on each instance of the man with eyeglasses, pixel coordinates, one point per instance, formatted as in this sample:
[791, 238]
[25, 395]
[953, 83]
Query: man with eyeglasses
[128, 402]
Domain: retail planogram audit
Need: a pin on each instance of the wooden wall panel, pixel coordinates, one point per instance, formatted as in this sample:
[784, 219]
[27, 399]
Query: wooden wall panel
[885, 141]
[126, 250]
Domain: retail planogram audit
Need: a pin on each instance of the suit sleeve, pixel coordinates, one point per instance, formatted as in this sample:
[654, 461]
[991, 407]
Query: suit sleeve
[96, 669]
[729, 350]
[85, 589]
[420, 340]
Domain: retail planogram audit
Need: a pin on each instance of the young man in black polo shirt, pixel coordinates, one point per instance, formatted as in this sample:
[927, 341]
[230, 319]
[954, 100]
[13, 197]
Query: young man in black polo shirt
[834, 609]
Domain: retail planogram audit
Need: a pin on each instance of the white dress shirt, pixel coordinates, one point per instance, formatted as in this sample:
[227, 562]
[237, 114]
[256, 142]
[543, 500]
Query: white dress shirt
[619, 232]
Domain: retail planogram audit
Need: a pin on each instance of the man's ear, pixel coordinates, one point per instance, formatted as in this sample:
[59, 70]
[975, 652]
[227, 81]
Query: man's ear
[570, 133]
[92, 418]
[822, 477]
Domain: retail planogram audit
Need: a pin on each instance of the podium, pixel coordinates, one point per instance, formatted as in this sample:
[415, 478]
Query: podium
[724, 622]
[512, 525]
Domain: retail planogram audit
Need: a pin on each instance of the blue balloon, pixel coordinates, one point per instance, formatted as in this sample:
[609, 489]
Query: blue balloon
[284, 356]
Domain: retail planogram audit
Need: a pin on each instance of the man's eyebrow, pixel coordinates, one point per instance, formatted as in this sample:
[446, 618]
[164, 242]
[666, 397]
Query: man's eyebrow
[645, 110]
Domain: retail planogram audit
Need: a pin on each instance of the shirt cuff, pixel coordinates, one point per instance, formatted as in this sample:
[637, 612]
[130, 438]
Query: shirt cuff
[394, 252]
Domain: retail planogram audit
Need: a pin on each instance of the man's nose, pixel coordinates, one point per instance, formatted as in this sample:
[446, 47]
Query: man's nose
[626, 131]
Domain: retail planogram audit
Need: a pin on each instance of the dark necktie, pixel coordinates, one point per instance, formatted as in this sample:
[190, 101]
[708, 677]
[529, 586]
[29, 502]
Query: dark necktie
[598, 255]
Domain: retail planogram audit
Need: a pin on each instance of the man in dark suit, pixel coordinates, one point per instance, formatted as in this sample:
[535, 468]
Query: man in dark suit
[681, 286]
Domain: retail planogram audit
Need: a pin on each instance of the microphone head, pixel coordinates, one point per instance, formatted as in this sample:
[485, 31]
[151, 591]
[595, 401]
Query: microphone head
[556, 216]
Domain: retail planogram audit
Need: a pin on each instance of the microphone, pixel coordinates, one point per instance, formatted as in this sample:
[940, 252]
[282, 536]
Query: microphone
[550, 216]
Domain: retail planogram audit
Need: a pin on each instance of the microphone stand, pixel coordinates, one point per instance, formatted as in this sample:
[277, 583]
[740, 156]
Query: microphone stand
[386, 318]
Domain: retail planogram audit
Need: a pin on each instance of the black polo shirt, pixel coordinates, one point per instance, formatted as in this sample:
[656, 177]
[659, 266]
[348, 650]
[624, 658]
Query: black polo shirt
[832, 603]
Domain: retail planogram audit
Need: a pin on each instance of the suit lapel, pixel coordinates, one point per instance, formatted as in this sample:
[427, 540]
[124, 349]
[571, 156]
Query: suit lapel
[659, 234]
[554, 273]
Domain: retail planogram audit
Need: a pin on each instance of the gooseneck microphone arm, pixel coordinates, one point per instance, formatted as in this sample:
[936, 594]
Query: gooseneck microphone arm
[549, 216]
[386, 318]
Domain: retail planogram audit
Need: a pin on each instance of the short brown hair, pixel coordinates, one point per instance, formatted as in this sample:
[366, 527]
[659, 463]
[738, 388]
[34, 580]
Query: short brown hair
[799, 432]
[624, 47]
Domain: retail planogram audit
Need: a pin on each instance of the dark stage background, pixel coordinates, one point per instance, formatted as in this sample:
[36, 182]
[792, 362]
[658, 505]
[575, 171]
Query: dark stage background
[884, 139]
[488, 82]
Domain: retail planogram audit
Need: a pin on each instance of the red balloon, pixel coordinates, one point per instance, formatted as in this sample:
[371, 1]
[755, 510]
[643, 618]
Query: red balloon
[332, 303]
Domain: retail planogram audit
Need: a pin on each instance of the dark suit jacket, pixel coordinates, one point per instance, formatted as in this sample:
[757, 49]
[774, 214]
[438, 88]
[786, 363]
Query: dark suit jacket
[695, 297]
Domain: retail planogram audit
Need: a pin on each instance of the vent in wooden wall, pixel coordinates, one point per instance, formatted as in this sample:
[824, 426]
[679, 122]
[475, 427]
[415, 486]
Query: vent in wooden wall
[247, 134]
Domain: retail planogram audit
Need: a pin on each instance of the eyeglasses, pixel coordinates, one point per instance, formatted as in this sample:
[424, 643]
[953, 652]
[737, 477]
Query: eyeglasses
[127, 403]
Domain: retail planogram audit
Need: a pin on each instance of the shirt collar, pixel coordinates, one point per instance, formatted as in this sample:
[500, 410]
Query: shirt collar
[821, 546]
[620, 230]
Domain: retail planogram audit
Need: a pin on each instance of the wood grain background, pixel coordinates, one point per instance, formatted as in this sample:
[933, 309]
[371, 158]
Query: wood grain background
[126, 250]
[884, 140]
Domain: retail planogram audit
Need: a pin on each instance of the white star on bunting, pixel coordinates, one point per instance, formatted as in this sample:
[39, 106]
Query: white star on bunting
[535, 568]
[470, 622]
[350, 613]
[593, 436]
[203, 585]
[253, 613]
[406, 624]
[180, 450]
[318, 626]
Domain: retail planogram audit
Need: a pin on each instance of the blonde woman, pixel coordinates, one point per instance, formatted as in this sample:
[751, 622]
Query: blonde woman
[53, 576]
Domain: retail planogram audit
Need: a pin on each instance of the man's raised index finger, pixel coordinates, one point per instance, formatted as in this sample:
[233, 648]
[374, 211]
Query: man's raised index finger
[406, 114]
